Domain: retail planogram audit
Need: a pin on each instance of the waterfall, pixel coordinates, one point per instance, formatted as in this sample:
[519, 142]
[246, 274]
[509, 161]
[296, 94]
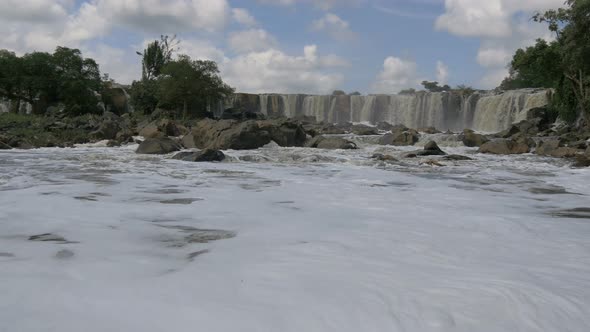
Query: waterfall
[481, 111]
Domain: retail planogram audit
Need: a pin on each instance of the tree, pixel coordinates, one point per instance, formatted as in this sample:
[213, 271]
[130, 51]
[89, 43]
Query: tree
[434, 87]
[79, 81]
[10, 77]
[157, 54]
[410, 91]
[538, 66]
[191, 86]
[563, 64]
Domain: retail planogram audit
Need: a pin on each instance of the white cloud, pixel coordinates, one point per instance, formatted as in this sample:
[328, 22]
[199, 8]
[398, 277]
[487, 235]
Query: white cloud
[397, 74]
[442, 72]
[320, 4]
[502, 25]
[275, 71]
[334, 26]
[34, 11]
[244, 17]
[251, 41]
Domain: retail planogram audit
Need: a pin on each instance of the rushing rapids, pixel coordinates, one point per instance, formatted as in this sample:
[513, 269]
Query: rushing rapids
[483, 111]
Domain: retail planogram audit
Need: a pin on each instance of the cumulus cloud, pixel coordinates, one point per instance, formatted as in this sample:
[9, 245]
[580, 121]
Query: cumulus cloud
[251, 40]
[275, 71]
[33, 10]
[244, 17]
[442, 72]
[502, 26]
[334, 26]
[397, 74]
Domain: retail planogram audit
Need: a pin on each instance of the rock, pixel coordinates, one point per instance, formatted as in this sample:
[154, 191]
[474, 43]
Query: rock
[399, 137]
[64, 254]
[504, 146]
[332, 129]
[47, 237]
[525, 128]
[207, 155]
[429, 130]
[430, 149]
[108, 130]
[362, 130]
[322, 142]
[113, 143]
[162, 128]
[384, 126]
[554, 147]
[432, 162]
[456, 157]
[230, 134]
[158, 146]
[471, 139]
[582, 160]
[383, 157]
[241, 114]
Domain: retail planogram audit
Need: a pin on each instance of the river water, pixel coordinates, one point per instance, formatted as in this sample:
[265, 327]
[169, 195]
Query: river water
[292, 239]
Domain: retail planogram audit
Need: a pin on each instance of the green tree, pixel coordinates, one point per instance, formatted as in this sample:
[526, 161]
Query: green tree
[10, 77]
[538, 66]
[79, 81]
[157, 54]
[191, 86]
[434, 87]
[563, 64]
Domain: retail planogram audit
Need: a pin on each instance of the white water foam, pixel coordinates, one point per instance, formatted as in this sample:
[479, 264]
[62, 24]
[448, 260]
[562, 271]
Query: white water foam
[325, 241]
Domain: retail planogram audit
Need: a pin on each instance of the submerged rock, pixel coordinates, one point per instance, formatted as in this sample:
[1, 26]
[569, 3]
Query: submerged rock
[456, 157]
[207, 155]
[383, 157]
[47, 237]
[430, 149]
[158, 146]
[322, 142]
[504, 146]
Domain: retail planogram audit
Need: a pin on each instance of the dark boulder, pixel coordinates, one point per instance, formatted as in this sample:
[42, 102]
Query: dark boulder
[504, 146]
[384, 126]
[162, 128]
[158, 146]
[322, 142]
[207, 155]
[430, 149]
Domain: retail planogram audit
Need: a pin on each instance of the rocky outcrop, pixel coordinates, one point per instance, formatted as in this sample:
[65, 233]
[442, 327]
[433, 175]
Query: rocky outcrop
[472, 139]
[158, 146]
[429, 130]
[230, 134]
[162, 128]
[555, 147]
[504, 146]
[400, 136]
[207, 155]
[583, 160]
[322, 142]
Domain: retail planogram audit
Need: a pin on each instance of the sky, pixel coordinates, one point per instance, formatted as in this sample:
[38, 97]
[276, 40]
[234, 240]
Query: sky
[292, 46]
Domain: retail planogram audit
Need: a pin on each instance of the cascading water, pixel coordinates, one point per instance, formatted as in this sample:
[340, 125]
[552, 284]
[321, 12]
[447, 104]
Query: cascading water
[482, 111]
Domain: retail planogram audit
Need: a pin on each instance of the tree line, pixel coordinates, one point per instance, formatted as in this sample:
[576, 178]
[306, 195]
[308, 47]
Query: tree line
[180, 85]
[562, 64]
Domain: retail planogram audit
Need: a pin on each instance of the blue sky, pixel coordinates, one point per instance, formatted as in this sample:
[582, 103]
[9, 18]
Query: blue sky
[292, 46]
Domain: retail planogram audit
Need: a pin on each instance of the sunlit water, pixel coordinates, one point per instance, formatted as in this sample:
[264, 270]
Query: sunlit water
[292, 240]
